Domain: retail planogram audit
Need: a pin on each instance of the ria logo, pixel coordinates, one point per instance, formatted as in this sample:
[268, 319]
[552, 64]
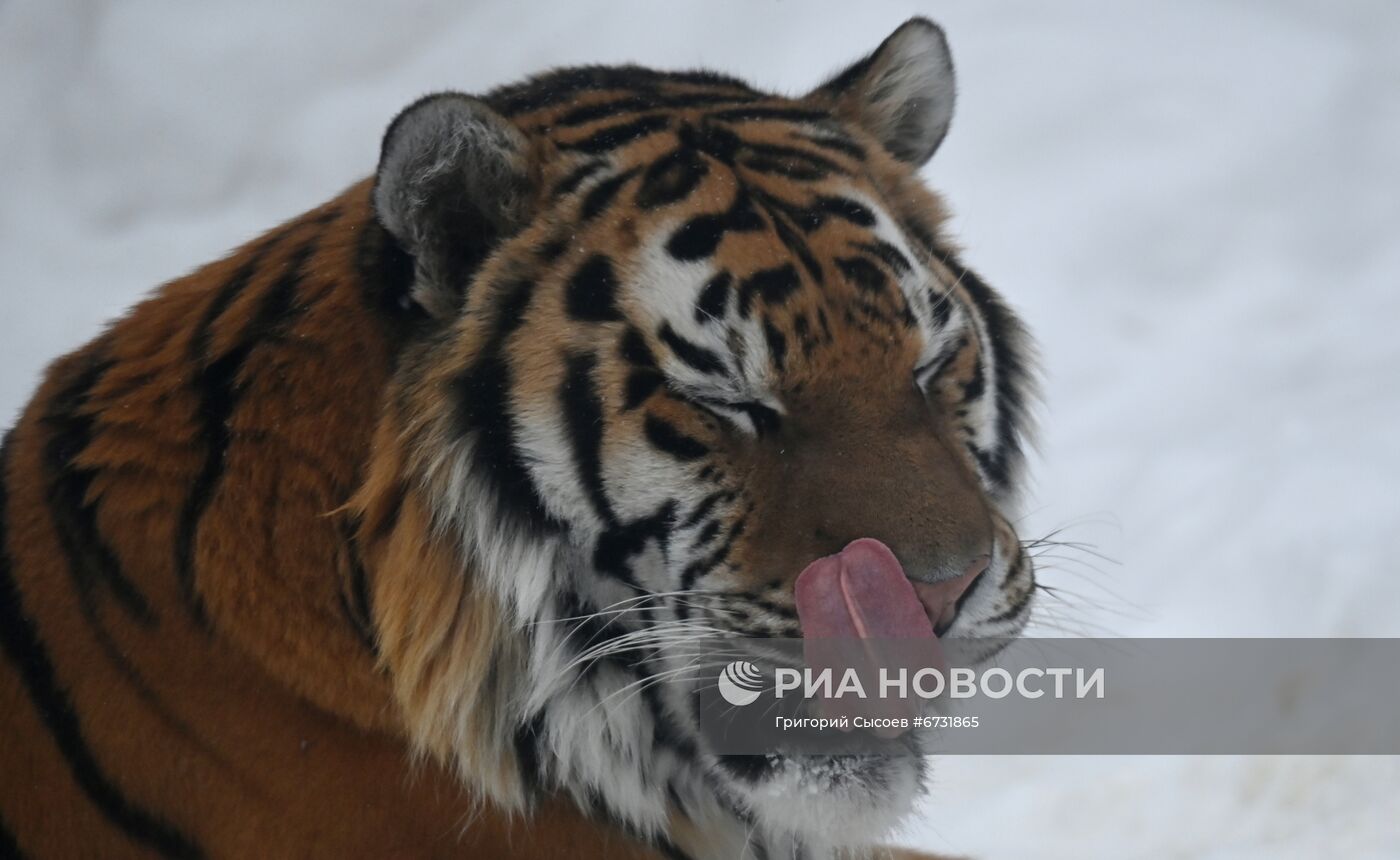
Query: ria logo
[740, 683]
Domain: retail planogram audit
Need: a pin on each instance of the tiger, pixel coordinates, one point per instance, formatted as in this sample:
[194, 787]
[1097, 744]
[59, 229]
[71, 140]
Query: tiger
[368, 539]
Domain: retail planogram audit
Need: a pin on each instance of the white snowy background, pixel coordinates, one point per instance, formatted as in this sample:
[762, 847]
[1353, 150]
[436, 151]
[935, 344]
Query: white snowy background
[1196, 205]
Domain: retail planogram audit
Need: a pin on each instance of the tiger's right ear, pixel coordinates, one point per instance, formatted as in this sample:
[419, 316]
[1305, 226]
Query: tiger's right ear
[903, 93]
[453, 181]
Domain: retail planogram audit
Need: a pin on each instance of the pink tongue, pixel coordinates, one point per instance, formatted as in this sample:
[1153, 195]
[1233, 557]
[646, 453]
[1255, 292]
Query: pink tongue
[861, 592]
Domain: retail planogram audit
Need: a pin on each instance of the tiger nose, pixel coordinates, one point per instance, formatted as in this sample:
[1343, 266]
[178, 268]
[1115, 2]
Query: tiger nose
[964, 561]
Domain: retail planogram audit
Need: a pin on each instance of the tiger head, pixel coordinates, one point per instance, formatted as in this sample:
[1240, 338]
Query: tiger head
[681, 339]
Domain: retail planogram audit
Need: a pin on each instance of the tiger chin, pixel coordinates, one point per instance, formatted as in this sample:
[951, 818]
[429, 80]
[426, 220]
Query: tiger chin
[398, 531]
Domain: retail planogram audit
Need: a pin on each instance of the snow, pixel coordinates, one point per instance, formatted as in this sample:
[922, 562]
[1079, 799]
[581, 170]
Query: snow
[1194, 205]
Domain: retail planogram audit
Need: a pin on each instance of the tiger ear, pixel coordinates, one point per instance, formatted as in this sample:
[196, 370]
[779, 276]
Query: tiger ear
[453, 181]
[903, 93]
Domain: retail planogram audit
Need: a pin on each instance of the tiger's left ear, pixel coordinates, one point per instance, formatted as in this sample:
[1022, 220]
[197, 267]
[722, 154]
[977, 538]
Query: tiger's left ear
[454, 179]
[903, 93]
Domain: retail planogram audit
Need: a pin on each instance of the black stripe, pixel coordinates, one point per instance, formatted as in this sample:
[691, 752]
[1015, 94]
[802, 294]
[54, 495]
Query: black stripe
[693, 354]
[665, 437]
[795, 243]
[1011, 611]
[646, 377]
[788, 222]
[716, 141]
[889, 254]
[607, 109]
[785, 168]
[718, 556]
[771, 606]
[743, 215]
[552, 250]
[941, 306]
[793, 162]
[91, 560]
[600, 196]
[616, 546]
[591, 294]
[634, 350]
[640, 385]
[703, 509]
[527, 752]
[844, 208]
[706, 534]
[834, 143]
[929, 370]
[975, 386]
[482, 395]
[864, 274]
[777, 344]
[219, 391]
[639, 104]
[749, 768]
[576, 177]
[355, 600]
[1002, 331]
[700, 236]
[359, 583]
[614, 136]
[697, 238]
[773, 286]
[713, 300]
[26, 652]
[671, 178]
[583, 414]
[803, 329]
